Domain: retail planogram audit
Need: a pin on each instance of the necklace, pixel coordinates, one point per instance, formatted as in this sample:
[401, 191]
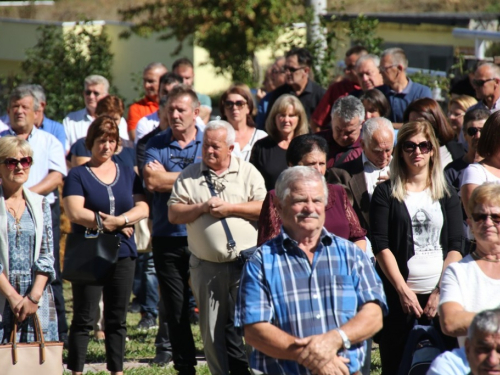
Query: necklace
[16, 214]
[475, 255]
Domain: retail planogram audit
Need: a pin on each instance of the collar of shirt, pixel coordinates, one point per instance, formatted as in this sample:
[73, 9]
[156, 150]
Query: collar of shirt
[234, 166]
[289, 243]
[368, 166]
[406, 90]
[31, 135]
[496, 106]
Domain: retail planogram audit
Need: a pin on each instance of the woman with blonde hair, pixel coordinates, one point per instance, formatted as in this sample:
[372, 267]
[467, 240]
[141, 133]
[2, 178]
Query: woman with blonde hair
[287, 120]
[456, 112]
[411, 273]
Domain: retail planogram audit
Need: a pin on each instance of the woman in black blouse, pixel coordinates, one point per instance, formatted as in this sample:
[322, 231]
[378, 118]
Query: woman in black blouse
[286, 121]
[410, 256]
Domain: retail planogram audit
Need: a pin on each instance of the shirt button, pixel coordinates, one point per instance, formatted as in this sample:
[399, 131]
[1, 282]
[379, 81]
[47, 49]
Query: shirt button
[318, 316]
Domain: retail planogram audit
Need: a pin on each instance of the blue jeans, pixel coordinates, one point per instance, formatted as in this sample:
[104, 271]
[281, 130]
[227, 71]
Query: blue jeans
[148, 296]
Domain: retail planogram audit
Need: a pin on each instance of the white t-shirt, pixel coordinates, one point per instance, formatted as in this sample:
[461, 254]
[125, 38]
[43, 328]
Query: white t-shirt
[464, 283]
[477, 174]
[427, 221]
[445, 155]
[247, 150]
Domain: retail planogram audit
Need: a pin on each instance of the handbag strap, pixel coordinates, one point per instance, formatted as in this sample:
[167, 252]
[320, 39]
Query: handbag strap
[231, 244]
[39, 338]
[98, 220]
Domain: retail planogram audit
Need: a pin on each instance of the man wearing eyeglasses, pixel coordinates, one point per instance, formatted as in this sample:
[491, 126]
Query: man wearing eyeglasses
[219, 200]
[486, 82]
[77, 123]
[298, 65]
[321, 116]
[399, 89]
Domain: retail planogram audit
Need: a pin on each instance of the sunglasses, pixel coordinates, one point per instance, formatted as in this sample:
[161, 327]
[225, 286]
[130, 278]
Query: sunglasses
[472, 131]
[12, 163]
[238, 104]
[481, 82]
[291, 69]
[90, 92]
[483, 217]
[425, 147]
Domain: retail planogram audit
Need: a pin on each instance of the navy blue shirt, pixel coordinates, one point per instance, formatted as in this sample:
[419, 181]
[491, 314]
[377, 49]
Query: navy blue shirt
[126, 157]
[399, 101]
[115, 198]
[174, 158]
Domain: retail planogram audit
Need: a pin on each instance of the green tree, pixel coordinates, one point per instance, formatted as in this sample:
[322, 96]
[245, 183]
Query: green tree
[362, 31]
[59, 62]
[232, 31]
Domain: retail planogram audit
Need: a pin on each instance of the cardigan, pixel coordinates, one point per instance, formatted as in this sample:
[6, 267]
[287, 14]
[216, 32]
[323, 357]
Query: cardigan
[398, 238]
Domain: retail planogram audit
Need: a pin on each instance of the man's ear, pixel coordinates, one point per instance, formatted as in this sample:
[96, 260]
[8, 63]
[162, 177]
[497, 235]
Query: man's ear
[231, 148]
[197, 111]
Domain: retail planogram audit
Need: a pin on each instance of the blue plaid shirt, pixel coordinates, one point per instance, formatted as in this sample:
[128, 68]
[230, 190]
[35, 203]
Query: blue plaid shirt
[280, 286]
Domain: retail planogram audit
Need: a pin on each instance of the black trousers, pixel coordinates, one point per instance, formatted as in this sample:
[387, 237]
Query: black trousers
[171, 259]
[116, 290]
[55, 209]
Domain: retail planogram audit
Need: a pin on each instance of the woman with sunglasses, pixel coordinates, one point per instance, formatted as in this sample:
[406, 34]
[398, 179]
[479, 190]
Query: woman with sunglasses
[236, 107]
[472, 285]
[429, 110]
[115, 193]
[409, 269]
[287, 120]
[26, 248]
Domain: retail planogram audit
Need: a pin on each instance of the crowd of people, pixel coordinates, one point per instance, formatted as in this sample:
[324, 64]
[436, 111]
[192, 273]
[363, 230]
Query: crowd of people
[296, 228]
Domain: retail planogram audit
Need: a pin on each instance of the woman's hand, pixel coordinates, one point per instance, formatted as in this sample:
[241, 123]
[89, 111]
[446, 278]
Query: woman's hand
[409, 302]
[15, 300]
[111, 223]
[127, 231]
[25, 308]
[431, 308]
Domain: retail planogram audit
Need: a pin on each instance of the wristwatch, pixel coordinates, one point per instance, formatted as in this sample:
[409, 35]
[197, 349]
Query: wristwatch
[345, 339]
[126, 219]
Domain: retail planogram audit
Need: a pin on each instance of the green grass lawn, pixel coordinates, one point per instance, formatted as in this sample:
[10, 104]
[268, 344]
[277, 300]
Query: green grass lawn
[140, 347]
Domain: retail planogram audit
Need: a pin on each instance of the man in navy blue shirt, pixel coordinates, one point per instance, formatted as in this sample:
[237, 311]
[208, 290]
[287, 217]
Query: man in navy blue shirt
[167, 154]
[399, 89]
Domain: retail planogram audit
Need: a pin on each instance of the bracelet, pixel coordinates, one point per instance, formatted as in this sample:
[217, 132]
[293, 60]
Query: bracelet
[126, 219]
[32, 299]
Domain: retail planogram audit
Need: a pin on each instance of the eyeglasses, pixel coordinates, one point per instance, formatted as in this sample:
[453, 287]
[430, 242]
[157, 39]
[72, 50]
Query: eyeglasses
[238, 104]
[277, 71]
[478, 217]
[90, 92]
[12, 163]
[472, 131]
[383, 69]
[481, 82]
[409, 147]
[454, 115]
[349, 68]
[291, 69]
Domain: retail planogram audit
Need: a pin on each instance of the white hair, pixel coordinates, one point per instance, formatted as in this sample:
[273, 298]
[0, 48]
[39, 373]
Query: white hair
[398, 56]
[221, 124]
[294, 174]
[487, 321]
[372, 125]
[494, 68]
[96, 79]
[348, 108]
[370, 56]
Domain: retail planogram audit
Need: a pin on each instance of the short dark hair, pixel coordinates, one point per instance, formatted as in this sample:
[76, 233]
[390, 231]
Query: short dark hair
[108, 105]
[103, 125]
[183, 61]
[304, 57]
[169, 78]
[183, 90]
[475, 115]
[489, 143]
[302, 145]
[237, 89]
[356, 50]
[378, 100]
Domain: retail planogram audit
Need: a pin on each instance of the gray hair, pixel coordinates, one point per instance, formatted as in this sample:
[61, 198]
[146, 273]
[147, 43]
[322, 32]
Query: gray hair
[154, 65]
[495, 69]
[348, 108]
[39, 92]
[221, 124]
[23, 91]
[398, 56]
[372, 125]
[96, 80]
[370, 56]
[298, 173]
[487, 321]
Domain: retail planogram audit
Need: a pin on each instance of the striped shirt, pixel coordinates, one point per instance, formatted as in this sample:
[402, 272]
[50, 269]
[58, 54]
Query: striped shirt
[280, 286]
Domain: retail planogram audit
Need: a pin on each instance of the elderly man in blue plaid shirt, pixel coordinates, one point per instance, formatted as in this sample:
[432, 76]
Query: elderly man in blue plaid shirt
[308, 299]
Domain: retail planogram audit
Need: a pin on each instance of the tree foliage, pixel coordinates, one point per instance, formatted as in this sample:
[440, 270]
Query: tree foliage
[59, 62]
[232, 31]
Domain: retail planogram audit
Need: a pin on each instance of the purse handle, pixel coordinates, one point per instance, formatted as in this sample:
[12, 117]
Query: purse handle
[39, 338]
[100, 227]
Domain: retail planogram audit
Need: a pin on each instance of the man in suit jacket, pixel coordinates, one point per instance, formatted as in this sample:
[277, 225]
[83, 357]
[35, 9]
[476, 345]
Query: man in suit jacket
[360, 176]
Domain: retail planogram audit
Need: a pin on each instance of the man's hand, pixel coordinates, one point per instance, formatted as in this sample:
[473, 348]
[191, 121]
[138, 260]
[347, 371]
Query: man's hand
[431, 308]
[156, 166]
[319, 350]
[336, 367]
[219, 208]
[409, 302]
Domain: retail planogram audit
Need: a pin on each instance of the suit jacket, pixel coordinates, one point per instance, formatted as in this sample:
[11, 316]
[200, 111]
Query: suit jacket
[351, 175]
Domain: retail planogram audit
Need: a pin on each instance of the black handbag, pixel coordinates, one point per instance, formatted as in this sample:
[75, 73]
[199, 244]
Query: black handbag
[90, 255]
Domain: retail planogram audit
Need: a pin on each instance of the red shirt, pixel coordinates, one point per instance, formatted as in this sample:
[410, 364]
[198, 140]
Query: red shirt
[321, 115]
[138, 110]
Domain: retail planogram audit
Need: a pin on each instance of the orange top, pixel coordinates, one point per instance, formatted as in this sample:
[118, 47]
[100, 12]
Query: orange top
[138, 110]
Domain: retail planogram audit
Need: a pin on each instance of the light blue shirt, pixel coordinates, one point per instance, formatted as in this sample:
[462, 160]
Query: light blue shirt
[450, 363]
[48, 155]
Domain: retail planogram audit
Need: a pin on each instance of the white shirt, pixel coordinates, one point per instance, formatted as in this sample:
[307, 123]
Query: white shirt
[48, 155]
[247, 150]
[372, 173]
[76, 124]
